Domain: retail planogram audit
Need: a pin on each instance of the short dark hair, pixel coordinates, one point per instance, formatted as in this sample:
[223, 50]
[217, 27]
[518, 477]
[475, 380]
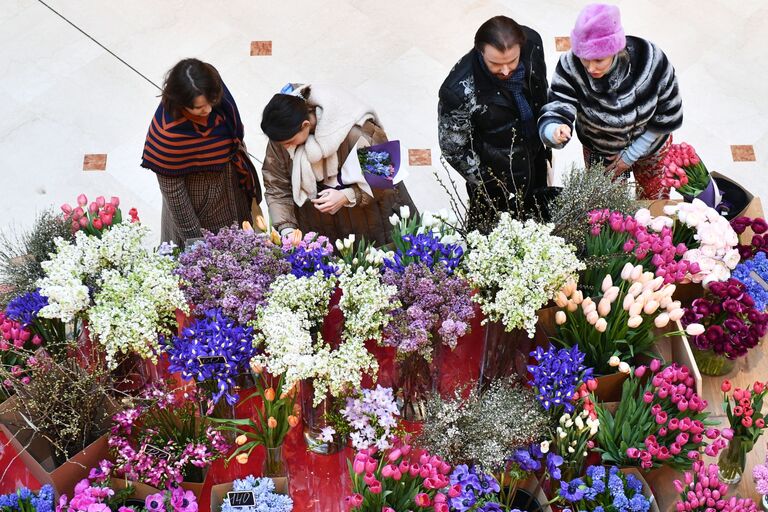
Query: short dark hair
[283, 116]
[500, 32]
[187, 80]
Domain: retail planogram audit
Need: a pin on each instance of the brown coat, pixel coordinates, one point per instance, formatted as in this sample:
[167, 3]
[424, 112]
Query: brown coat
[369, 217]
[207, 200]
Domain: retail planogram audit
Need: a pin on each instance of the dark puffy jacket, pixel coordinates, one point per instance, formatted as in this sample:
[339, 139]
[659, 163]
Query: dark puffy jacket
[477, 119]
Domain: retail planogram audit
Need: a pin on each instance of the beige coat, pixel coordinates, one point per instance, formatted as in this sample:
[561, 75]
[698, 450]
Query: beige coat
[369, 217]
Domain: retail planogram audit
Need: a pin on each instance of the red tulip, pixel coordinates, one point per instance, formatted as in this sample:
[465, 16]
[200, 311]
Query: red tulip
[97, 224]
[725, 386]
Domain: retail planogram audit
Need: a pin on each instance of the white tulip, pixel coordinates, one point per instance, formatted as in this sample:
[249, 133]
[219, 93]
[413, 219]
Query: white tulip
[614, 361]
[676, 314]
[572, 306]
[593, 317]
[579, 422]
[544, 446]
[661, 321]
[650, 307]
[628, 301]
[339, 244]
[694, 329]
[634, 321]
[624, 367]
[601, 325]
[626, 271]
[604, 307]
[636, 273]
[607, 283]
[428, 220]
[405, 212]
[636, 309]
[560, 318]
[394, 219]
[635, 289]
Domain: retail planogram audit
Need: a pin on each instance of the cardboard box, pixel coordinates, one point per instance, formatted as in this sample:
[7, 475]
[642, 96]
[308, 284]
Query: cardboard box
[219, 492]
[36, 454]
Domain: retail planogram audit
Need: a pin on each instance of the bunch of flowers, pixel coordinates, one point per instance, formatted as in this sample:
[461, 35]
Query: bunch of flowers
[605, 488]
[273, 417]
[267, 500]
[473, 490]
[378, 163]
[128, 294]
[629, 311]
[556, 376]
[160, 441]
[369, 419]
[24, 310]
[387, 482]
[532, 458]
[669, 421]
[617, 239]
[24, 500]
[361, 254]
[22, 252]
[703, 491]
[16, 342]
[231, 270]
[173, 500]
[725, 320]
[684, 170]
[98, 217]
[573, 439]
[432, 302]
[459, 428]
[427, 239]
[754, 274]
[760, 474]
[758, 243]
[366, 301]
[289, 328]
[213, 335]
[744, 409]
[518, 268]
[710, 238]
[312, 254]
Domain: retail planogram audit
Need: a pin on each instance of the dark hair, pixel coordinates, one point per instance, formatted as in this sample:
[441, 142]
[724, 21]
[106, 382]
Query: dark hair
[500, 32]
[186, 81]
[283, 116]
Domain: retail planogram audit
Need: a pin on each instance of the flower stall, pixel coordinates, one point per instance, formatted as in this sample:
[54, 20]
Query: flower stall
[538, 366]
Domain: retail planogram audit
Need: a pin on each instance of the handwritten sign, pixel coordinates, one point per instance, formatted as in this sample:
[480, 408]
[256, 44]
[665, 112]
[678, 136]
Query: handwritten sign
[241, 498]
[206, 360]
[154, 451]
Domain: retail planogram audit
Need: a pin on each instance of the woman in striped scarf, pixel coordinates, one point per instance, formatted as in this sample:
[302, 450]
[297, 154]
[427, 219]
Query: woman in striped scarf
[195, 147]
[622, 94]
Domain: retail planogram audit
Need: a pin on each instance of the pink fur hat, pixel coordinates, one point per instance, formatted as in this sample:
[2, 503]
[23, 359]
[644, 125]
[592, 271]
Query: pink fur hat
[598, 32]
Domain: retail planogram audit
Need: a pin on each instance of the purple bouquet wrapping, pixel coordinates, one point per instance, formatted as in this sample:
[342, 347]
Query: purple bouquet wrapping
[380, 164]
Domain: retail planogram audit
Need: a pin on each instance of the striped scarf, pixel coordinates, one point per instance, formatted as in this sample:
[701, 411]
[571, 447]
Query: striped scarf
[190, 144]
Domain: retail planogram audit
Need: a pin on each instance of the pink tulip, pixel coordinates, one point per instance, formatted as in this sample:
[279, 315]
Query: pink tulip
[66, 209]
[354, 501]
[37, 340]
[395, 455]
[93, 208]
[115, 201]
[82, 200]
[100, 201]
[358, 466]
[83, 221]
[375, 489]
[422, 500]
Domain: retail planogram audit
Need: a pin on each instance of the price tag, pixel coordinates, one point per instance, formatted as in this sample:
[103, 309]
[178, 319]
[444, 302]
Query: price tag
[759, 280]
[242, 498]
[206, 360]
[154, 451]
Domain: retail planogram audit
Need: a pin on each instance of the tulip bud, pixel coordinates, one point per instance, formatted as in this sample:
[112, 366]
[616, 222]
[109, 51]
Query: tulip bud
[661, 321]
[241, 440]
[272, 422]
[260, 223]
[66, 209]
[604, 307]
[82, 200]
[634, 321]
[83, 221]
[650, 307]
[242, 458]
[607, 283]
[560, 318]
[100, 202]
[614, 361]
[624, 367]
[269, 394]
[593, 317]
[601, 325]
[293, 421]
[339, 244]
[405, 211]
[247, 226]
[626, 271]
[694, 329]
[97, 224]
[256, 368]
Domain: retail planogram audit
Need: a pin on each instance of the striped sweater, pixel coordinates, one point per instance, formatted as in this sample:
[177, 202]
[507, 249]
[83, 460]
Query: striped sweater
[639, 94]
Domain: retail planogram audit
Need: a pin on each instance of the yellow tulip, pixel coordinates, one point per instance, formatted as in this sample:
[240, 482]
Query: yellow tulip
[241, 440]
[242, 458]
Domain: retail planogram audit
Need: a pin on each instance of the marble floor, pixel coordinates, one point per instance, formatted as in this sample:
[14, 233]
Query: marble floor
[79, 78]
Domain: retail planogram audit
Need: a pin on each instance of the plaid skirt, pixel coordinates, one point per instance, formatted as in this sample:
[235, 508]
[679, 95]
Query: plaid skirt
[206, 200]
[648, 171]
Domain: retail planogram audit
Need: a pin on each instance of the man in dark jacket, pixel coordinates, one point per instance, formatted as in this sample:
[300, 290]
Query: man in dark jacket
[488, 109]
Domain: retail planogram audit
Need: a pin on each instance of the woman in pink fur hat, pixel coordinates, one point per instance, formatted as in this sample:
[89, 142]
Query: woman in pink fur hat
[622, 95]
